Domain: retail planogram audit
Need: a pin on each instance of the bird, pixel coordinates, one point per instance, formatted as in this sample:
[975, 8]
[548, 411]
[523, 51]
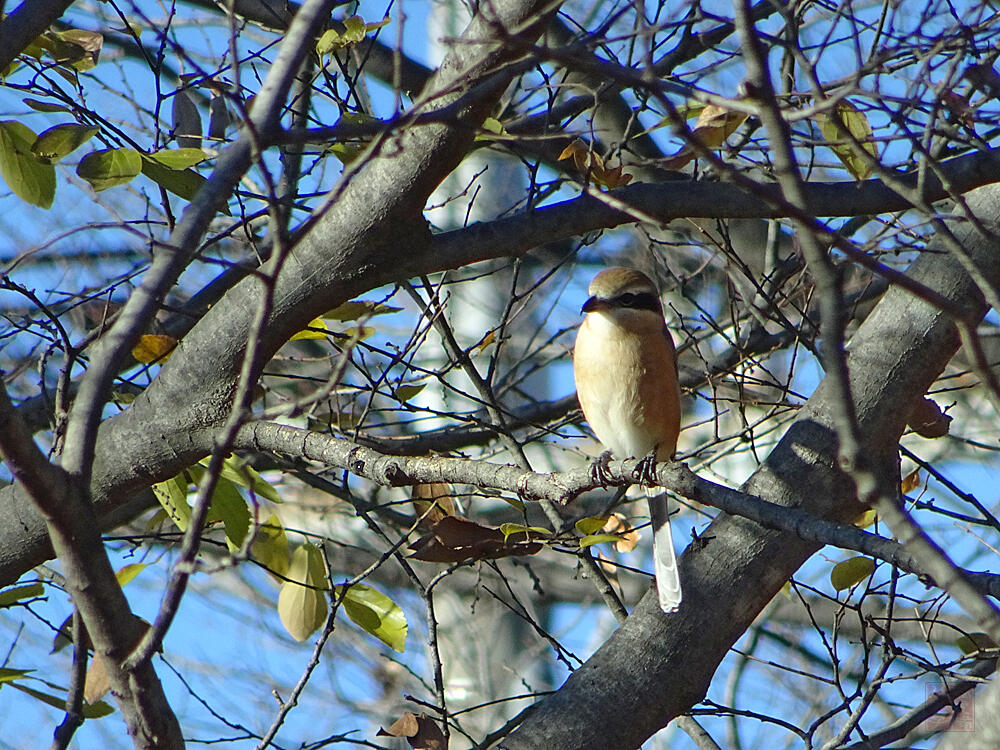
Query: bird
[625, 368]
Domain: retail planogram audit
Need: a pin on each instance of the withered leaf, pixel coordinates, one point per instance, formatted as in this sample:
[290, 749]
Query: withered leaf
[456, 539]
[421, 732]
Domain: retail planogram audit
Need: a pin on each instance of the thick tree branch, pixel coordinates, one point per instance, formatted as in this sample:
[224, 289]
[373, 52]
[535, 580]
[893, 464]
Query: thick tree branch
[666, 202]
[25, 24]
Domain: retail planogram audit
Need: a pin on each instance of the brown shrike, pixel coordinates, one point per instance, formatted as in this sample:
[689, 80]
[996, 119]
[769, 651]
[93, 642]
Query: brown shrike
[626, 379]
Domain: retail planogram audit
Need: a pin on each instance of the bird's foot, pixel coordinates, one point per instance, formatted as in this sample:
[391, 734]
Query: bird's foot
[645, 470]
[600, 470]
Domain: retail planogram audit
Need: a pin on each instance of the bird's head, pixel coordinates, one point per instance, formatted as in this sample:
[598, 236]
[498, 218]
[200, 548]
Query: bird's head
[623, 293]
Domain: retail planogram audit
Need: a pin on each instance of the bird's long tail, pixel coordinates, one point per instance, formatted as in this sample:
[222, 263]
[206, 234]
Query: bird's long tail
[668, 581]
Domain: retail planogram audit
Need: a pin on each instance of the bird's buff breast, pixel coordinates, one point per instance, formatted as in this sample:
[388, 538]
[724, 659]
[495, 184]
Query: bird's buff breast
[609, 366]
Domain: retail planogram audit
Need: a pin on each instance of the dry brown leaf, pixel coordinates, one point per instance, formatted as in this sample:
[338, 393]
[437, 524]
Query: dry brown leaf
[714, 125]
[618, 524]
[421, 732]
[433, 501]
[579, 152]
[456, 539]
[592, 166]
[927, 420]
[97, 682]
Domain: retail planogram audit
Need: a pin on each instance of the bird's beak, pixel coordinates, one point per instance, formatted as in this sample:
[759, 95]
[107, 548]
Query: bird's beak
[594, 303]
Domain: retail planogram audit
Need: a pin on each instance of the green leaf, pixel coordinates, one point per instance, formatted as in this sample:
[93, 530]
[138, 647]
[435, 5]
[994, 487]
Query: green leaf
[97, 710]
[186, 120]
[347, 152]
[178, 158]
[229, 507]
[17, 593]
[592, 539]
[9, 675]
[377, 614]
[110, 167]
[491, 126]
[129, 572]
[509, 529]
[354, 31]
[303, 608]
[970, 643]
[172, 495]
[61, 140]
[31, 179]
[591, 525]
[857, 125]
[409, 390]
[849, 572]
[78, 47]
[270, 546]
[184, 183]
[40, 106]
[90, 711]
[236, 470]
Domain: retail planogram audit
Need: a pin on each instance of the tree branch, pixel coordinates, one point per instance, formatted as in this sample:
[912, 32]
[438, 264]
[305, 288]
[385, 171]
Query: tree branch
[563, 487]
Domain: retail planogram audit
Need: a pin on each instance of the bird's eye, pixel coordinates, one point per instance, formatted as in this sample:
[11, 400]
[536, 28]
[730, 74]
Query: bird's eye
[628, 299]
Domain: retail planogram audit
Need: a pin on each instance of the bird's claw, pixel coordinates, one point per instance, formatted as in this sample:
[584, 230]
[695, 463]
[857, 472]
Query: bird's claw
[600, 471]
[645, 470]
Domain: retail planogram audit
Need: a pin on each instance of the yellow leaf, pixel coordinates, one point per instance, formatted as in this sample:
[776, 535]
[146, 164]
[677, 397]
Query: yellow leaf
[154, 347]
[129, 572]
[579, 152]
[857, 125]
[354, 31]
[377, 614]
[270, 546]
[866, 519]
[715, 124]
[377, 24]
[592, 539]
[172, 495]
[359, 333]
[910, 482]
[591, 525]
[237, 470]
[488, 339]
[493, 125]
[849, 572]
[509, 529]
[359, 308]
[302, 602]
[317, 329]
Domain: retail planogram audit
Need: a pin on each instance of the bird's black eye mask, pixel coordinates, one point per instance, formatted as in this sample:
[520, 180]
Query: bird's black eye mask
[638, 301]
